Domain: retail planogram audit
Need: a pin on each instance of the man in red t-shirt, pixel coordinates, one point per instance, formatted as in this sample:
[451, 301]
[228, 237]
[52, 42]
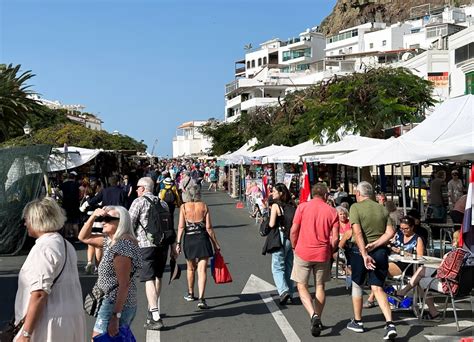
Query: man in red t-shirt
[314, 237]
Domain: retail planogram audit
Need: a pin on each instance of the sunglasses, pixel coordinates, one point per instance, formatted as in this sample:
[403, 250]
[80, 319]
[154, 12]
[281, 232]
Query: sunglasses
[107, 219]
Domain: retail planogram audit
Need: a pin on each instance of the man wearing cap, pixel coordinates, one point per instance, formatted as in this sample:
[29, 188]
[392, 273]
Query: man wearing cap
[170, 195]
[153, 257]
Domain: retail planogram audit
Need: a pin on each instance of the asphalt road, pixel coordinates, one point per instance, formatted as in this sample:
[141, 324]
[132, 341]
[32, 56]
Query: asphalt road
[248, 316]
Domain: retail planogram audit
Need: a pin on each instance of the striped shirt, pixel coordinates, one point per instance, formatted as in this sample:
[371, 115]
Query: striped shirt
[139, 212]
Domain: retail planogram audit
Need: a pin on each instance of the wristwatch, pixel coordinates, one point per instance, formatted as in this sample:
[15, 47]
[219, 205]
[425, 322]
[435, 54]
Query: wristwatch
[26, 334]
[117, 314]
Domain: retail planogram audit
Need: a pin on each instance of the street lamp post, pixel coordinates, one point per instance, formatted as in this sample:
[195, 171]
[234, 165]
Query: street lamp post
[27, 129]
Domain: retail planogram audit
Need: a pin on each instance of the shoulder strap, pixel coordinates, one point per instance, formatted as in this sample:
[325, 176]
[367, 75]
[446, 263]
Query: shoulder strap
[152, 203]
[64, 265]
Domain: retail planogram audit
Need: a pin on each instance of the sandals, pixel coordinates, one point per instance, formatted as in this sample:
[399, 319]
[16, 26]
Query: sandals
[428, 317]
[369, 304]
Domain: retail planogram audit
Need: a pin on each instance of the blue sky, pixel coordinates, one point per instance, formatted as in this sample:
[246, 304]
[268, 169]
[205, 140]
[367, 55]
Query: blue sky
[144, 66]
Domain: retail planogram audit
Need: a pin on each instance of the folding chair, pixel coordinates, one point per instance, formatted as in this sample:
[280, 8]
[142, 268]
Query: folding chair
[464, 292]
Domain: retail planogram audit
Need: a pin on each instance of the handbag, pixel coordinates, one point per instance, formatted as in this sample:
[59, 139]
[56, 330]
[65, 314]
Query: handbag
[94, 299]
[265, 226]
[219, 270]
[125, 335]
[273, 242]
[12, 329]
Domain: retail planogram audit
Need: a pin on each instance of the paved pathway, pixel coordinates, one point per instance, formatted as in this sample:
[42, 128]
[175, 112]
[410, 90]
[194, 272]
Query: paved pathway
[244, 310]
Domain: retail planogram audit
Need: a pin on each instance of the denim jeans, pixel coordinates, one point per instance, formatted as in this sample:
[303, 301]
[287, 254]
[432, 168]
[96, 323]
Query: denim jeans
[105, 314]
[282, 264]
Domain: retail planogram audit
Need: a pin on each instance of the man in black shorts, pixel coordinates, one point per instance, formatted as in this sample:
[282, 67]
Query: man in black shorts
[153, 257]
[372, 229]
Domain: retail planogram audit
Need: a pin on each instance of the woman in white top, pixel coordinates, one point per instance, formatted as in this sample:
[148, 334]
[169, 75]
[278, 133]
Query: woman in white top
[49, 296]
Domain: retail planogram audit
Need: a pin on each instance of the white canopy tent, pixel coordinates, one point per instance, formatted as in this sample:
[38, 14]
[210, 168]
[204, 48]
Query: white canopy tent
[292, 154]
[446, 134]
[347, 144]
[76, 156]
[266, 151]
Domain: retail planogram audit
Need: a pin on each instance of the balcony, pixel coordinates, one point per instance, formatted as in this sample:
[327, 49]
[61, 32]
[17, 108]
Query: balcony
[235, 101]
[239, 71]
[258, 102]
[240, 83]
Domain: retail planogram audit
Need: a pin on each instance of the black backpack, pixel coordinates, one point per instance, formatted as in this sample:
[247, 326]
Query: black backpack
[160, 227]
[286, 220]
[170, 196]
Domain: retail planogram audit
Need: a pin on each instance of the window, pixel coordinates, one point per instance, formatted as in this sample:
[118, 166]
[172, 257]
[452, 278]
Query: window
[384, 42]
[349, 49]
[285, 69]
[342, 36]
[371, 45]
[286, 55]
[264, 60]
[464, 53]
[259, 62]
[248, 64]
[302, 67]
[340, 51]
[253, 63]
[470, 83]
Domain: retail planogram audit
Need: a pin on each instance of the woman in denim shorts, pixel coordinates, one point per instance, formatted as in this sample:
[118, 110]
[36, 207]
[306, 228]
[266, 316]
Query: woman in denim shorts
[120, 261]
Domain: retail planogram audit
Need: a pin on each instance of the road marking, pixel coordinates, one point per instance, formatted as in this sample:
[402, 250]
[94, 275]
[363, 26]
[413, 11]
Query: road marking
[255, 285]
[154, 335]
[443, 338]
[462, 324]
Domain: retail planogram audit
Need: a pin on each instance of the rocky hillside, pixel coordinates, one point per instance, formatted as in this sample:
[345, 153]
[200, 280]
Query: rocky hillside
[347, 13]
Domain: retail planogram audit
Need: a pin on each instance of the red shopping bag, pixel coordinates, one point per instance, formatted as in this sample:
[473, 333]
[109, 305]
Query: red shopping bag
[219, 270]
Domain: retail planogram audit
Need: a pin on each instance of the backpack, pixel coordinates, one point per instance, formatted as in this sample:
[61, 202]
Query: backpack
[286, 220]
[160, 227]
[170, 196]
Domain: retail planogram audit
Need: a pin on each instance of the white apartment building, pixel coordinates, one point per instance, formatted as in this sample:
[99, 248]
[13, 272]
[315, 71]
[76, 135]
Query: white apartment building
[74, 112]
[189, 141]
[350, 40]
[387, 39]
[461, 63]
[265, 75]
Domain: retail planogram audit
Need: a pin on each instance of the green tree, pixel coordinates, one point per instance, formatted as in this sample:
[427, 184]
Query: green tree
[79, 136]
[15, 105]
[365, 103]
[224, 136]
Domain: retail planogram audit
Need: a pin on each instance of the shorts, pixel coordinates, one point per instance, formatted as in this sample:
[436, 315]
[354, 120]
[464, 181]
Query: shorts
[153, 262]
[302, 270]
[105, 313]
[374, 277]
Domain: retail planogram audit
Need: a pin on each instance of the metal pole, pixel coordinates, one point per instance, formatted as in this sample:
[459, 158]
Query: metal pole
[403, 191]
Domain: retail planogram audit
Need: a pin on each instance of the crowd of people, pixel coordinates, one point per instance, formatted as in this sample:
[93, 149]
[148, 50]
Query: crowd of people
[116, 223]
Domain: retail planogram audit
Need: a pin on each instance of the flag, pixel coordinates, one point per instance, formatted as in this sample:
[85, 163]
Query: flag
[467, 234]
[305, 191]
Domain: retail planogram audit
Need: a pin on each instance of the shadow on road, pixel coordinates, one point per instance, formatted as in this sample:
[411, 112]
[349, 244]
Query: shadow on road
[220, 204]
[250, 304]
[229, 226]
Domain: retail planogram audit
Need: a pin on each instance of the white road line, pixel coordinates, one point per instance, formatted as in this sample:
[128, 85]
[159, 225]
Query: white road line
[441, 338]
[256, 285]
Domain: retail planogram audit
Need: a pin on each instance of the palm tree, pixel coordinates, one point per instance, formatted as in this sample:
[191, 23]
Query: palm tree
[16, 104]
